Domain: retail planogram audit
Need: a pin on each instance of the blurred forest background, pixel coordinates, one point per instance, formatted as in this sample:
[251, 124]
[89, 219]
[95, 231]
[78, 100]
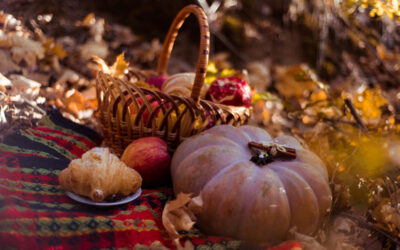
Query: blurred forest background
[327, 72]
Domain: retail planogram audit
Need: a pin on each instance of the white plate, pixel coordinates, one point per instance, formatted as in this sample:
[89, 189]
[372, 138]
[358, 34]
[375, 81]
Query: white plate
[88, 201]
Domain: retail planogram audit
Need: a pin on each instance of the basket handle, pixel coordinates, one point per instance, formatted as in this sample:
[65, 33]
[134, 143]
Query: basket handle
[202, 60]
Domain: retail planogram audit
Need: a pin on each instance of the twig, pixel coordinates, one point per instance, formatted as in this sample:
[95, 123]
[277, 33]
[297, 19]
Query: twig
[354, 113]
[326, 119]
[369, 226]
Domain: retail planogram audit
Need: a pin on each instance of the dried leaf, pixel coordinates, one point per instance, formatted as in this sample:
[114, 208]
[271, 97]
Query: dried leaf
[93, 48]
[54, 49]
[387, 215]
[118, 69]
[148, 52]
[295, 81]
[344, 233]
[102, 64]
[89, 19]
[22, 48]
[5, 83]
[75, 103]
[24, 86]
[259, 75]
[68, 76]
[120, 66]
[6, 62]
[307, 242]
[176, 215]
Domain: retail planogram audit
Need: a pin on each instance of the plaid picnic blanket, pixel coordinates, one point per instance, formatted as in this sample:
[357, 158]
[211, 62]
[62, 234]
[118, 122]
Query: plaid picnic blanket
[35, 213]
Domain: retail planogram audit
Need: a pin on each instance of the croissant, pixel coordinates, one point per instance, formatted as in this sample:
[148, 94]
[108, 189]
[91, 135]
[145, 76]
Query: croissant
[99, 174]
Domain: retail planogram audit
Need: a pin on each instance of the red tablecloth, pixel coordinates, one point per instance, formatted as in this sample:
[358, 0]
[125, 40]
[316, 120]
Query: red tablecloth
[35, 213]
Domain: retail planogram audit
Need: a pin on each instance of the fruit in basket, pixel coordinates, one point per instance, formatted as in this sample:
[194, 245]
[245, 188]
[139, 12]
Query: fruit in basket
[98, 175]
[133, 110]
[251, 187]
[230, 91]
[149, 156]
[181, 85]
[187, 123]
[156, 81]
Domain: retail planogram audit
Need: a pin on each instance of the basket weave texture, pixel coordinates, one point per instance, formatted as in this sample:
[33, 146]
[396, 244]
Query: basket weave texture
[127, 112]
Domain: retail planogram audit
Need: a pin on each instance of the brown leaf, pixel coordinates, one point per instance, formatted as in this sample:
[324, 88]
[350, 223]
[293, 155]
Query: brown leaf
[5, 83]
[307, 242]
[22, 48]
[24, 86]
[177, 216]
[6, 62]
[93, 48]
[120, 66]
[295, 81]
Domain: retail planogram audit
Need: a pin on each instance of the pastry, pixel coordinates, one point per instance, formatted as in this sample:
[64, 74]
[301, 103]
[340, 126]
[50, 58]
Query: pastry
[98, 175]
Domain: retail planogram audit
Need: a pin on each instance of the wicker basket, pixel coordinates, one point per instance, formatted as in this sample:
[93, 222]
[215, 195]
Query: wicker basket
[128, 112]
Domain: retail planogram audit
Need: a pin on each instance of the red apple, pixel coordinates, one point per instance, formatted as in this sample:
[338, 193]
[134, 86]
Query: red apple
[133, 110]
[156, 81]
[149, 156]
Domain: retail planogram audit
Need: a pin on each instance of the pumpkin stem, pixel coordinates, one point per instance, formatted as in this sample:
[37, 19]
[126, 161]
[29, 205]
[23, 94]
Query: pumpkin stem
[263, 154]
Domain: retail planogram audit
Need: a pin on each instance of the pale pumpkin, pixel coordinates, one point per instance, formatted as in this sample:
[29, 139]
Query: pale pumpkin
[243, 200]
[181, 85]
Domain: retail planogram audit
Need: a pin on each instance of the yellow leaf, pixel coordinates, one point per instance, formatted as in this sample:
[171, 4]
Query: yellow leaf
[55, 49]
[227, 72]
[297, 80]
[211, 68]
[89, 19]
[369, 103]
[120, 66]
[102, 64]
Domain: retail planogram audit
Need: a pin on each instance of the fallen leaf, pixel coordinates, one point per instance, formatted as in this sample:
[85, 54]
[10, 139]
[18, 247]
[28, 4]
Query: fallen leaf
[68, 76]
[93, 48]
[22, 48]
[24, 86]
[5, 83]
[120, 66]
[295, 81]
[307, 242]
[89, 19]
[259, 75]
[6, 62]
[55, 49]
[75, 103]
[176, 216]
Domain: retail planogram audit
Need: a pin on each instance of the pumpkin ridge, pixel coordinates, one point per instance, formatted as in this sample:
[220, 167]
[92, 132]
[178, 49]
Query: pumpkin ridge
[305, 174]
[310, 158]
[223, 130]
[226, 200]
[307, 227]
[252, 200]
[317, 168]
[176, 159]
[280, 192]
[255, 135]
[197, 173]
